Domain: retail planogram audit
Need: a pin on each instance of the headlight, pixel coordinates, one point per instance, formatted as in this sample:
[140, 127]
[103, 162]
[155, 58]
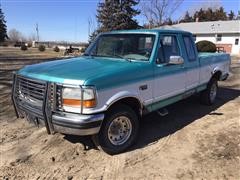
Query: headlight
[74, 98]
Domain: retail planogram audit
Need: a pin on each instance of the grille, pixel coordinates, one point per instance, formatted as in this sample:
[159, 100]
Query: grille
[30, 95]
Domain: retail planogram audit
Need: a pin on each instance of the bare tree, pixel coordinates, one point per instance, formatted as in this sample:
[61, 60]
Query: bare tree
[91, 25]
[159, 11]
[32, 37]
[15, 35]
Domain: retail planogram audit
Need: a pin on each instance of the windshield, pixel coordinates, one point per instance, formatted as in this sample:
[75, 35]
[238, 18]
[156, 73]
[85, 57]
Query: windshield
[125, 46]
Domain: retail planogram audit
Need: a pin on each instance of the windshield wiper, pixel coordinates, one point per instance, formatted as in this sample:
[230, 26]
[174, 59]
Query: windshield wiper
[86, 54]
[96, 55]
[127, 59]
[91, 55]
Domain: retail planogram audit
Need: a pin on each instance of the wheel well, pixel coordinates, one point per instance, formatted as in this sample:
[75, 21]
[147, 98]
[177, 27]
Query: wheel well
[217, 75]
[132, 102]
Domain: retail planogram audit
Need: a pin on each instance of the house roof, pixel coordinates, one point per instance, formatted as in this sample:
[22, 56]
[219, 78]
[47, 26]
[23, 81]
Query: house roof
[209, 27]
[166, 30]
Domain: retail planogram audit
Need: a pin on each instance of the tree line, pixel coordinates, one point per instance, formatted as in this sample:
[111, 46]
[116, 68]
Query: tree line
[121, 14]
[209, 15]
[3, 27]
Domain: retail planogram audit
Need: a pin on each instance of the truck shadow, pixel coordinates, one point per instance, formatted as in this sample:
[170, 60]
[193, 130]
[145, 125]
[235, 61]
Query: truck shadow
[181, 114]
[154, 127]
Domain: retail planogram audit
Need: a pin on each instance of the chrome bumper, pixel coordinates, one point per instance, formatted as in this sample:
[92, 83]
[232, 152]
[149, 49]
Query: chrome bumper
[68, 123]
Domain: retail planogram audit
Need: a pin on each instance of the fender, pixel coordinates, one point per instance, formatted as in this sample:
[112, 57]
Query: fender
[121, 95]
[216, 69]
[113, 98]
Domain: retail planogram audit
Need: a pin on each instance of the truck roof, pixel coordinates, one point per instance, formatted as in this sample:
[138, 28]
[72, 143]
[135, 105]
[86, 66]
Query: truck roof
[149, 31]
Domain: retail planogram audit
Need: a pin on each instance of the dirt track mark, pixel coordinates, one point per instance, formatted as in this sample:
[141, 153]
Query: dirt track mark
[154, 148]
[113, 169]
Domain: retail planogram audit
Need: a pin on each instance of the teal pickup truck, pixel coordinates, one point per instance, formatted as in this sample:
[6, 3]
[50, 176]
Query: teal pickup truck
[122, 76]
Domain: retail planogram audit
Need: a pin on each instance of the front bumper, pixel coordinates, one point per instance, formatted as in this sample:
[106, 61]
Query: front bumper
[69, 123]
[43, 112]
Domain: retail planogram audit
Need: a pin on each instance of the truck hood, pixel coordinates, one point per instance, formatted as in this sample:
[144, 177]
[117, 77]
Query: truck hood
[81, 70]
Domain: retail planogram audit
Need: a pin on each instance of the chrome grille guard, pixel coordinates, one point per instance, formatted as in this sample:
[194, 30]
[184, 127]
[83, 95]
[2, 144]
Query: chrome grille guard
[34, 97]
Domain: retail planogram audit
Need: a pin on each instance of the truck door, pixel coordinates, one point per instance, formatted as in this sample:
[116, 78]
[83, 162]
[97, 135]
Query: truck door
[169, 79]
[192, 63]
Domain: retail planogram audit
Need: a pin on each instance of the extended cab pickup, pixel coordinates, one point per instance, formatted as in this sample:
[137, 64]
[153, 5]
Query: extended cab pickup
[122, 76]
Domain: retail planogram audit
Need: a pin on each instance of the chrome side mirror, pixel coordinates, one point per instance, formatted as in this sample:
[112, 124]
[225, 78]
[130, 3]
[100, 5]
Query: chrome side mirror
[176, 60]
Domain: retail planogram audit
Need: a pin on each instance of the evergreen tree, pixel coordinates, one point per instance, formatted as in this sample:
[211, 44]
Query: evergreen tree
[187, 18]
[116, 15]
[126, 13]
[238, 16]
[199, 14]
[107, 15]
[3, 27]
[92, 36]
[168, 22]
[220, 14]
[231, 15]
[210, 15]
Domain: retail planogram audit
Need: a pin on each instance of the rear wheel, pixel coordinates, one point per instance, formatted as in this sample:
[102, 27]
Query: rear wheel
[118, 131]
[209, 95]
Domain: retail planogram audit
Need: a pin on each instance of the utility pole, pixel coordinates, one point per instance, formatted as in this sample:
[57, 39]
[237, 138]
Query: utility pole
[37, 30]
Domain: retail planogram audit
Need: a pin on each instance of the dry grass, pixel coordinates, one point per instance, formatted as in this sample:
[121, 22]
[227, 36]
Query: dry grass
[32, 53]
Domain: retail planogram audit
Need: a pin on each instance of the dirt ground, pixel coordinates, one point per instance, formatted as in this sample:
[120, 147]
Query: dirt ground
[17, 53]
[192, 142]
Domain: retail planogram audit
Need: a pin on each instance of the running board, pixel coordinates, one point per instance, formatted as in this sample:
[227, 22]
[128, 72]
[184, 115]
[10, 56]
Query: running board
[162, 112]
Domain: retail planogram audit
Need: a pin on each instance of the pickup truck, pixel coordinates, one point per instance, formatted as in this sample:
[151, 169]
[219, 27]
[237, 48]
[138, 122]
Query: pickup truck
[122, 76]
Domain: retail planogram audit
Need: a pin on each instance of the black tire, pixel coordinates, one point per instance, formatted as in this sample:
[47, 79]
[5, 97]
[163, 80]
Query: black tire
[102, 139]
[206, 96]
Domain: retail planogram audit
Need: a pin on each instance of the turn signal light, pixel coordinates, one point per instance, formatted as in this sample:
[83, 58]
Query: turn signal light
[77, 103]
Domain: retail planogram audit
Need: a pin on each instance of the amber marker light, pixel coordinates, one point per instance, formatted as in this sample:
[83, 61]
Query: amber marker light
[89, 103]
[72, 102]
[77, 103]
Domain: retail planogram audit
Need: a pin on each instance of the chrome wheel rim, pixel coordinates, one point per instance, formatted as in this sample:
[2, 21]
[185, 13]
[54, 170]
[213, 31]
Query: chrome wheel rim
[213, 92]
[119, 130]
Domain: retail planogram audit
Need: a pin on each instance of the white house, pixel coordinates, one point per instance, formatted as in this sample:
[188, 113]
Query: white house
[225, 34]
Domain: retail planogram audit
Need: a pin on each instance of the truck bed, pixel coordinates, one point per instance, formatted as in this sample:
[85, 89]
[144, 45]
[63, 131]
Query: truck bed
[207, 58]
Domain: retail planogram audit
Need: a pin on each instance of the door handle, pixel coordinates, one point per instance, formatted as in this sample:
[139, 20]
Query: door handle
[143, 87]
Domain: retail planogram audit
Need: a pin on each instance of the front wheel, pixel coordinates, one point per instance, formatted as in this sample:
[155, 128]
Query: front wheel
[209, 95]
[118, 131]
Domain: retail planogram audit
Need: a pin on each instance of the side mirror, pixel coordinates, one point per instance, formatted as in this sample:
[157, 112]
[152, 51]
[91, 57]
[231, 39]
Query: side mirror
[176, 60]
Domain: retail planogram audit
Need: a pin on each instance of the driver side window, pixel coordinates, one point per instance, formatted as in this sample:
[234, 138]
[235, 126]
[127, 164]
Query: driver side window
[168, 47]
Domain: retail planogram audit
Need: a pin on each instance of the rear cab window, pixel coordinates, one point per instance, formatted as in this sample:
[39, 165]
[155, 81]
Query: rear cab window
[189, 46]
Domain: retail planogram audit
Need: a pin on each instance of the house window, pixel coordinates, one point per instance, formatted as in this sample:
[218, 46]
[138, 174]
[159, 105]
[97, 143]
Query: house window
[236, 41]
[219, 37]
